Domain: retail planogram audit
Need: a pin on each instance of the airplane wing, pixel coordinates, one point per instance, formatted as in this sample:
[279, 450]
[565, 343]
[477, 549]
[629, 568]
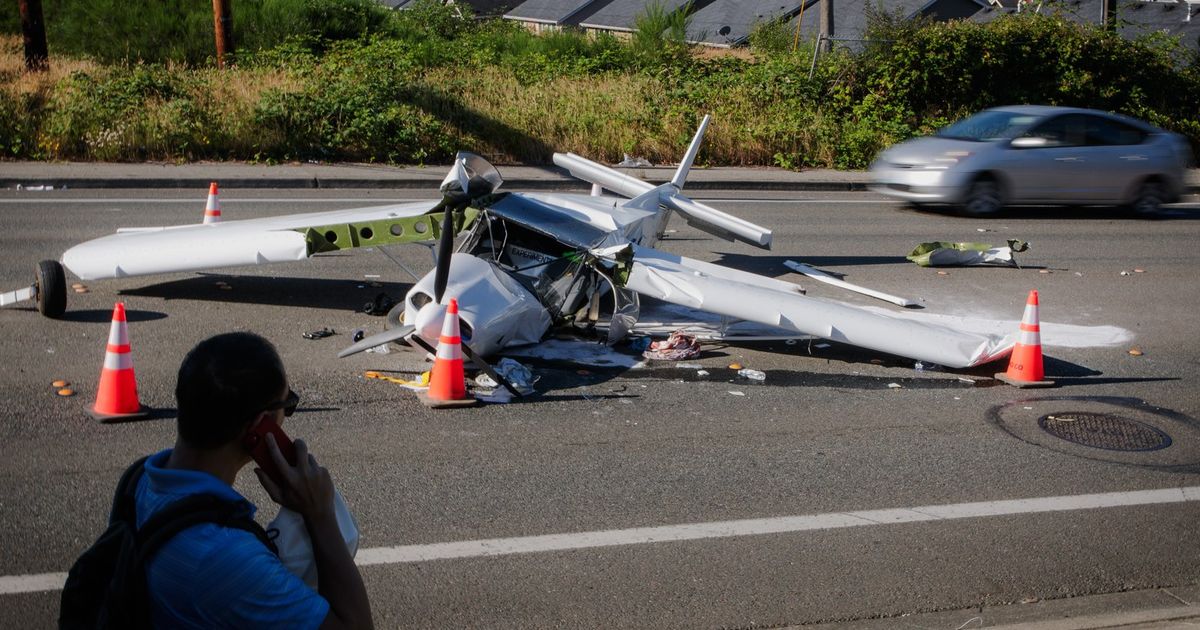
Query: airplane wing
[144, 251]
[754, 298]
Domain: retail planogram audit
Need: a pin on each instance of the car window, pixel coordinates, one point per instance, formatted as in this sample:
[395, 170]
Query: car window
[1109, 132]
[1067, 130]
[987, 126]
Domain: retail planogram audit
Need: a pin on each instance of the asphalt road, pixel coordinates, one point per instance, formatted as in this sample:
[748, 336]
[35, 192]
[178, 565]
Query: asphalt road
[603, 451]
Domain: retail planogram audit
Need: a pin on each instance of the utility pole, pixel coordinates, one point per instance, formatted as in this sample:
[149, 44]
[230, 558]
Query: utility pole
[223, 29]
[34, 28]
[1109, 19]
[826, 24]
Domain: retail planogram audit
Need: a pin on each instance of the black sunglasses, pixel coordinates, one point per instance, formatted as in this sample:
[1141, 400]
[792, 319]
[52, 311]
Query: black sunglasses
[288, 404]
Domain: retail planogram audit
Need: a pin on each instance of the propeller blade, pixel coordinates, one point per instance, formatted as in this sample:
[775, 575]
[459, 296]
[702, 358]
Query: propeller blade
[487, 369]
[470, 354]
[445, 245]
[378, 339]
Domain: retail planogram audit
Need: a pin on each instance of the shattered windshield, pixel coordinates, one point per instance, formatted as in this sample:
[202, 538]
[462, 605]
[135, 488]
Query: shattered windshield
[988, 126]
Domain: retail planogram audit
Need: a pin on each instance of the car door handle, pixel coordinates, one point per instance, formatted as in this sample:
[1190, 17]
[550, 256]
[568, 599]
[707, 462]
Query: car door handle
[1134, 158]
[1067, 159]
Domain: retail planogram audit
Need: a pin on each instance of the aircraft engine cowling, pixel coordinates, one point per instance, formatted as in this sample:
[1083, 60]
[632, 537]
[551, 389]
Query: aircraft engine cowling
[494, 309]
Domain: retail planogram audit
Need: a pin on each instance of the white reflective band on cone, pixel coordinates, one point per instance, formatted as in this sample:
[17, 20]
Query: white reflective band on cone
[1031, 314]
[118, 361]
[118, 335]
[449, 351]
[1029, 338]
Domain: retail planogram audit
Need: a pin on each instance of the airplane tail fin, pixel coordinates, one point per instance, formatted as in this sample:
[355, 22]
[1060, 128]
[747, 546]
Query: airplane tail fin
[647, 196]
[685, 165]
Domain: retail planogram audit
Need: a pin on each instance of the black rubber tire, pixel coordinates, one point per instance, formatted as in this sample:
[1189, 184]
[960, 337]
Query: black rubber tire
[1148, 200]
[51, 284]
[984, 198]
[395, 319]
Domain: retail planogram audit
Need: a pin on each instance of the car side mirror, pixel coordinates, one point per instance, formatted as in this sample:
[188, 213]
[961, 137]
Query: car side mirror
[1030, 142]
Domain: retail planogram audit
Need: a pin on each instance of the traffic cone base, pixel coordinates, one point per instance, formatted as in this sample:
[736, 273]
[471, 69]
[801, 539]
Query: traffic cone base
[1025, 367]
[116, 396]
[142, 412]
[1004, 377]
[447, 384]
[434, 403]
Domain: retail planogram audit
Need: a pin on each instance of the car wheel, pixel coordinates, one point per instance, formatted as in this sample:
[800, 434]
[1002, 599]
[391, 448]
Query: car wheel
[983, 198]
[51, 289]
[1148, 200]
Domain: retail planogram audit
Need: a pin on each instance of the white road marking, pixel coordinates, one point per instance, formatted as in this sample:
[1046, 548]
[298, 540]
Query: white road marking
[13, 584]
[67, 201]
[858, 201]
[384, 201]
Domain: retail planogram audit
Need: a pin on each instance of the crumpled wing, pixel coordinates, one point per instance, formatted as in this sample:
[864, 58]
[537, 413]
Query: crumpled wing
[145, 251]
[754, 298]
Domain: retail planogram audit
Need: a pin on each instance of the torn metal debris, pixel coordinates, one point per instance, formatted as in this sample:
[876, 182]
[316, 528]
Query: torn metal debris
[946, 254]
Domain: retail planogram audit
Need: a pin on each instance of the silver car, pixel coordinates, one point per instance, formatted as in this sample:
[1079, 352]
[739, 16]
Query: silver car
[1034, 154]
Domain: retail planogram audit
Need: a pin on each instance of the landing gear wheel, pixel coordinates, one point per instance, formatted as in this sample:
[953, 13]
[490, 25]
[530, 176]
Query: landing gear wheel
[1148, 200]
[983, 198]
[395, 319]
[51, 286]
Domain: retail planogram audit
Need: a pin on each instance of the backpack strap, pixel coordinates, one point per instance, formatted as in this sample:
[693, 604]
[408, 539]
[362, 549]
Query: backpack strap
[178, 516]
[195, 510]
[124, 506]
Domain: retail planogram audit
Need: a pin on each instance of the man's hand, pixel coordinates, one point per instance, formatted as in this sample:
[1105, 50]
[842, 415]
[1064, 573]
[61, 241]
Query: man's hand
[305, 488]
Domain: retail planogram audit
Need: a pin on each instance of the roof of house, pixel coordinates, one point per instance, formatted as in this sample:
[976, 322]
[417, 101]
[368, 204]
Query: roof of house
[729, 22]
[619, 15]
[1134, 17]
[852, 17]
[547, 11]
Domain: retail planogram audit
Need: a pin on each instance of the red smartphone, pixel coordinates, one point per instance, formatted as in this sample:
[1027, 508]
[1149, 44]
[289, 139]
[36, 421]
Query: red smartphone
[256, 443]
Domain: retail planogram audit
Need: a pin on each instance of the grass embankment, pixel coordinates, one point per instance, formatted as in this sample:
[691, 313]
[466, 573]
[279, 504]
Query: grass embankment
[414, 87]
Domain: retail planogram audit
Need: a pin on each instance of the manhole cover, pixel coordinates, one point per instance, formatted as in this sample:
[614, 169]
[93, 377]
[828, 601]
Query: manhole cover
[1102, 430]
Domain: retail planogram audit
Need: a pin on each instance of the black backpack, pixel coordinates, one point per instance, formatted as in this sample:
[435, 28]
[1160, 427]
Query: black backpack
[106, 587]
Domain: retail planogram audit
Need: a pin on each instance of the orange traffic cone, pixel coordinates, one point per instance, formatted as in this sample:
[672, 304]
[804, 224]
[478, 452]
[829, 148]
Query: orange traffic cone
[1025, 366]
[447, 385]
[116, 397]
[212, 209]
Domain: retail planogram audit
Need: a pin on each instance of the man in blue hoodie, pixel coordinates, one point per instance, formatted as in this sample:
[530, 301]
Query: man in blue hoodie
[210, 576]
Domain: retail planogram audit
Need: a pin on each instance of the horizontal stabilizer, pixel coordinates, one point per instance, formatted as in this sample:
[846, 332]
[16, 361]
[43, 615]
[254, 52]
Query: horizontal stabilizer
[603, 176]
[721, 224]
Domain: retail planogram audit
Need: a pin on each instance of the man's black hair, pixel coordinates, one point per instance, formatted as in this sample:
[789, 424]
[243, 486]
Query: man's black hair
[224, 383]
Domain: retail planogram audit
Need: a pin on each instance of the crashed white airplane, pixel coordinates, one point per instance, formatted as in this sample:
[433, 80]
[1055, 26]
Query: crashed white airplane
[526, 262]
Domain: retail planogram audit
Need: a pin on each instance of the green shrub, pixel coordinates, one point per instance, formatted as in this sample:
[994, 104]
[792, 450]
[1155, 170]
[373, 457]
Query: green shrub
[660, 34]
[773, 37]
[416, 86]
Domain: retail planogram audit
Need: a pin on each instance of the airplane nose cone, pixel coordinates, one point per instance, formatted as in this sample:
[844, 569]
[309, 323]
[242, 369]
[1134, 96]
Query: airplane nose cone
[429, 321]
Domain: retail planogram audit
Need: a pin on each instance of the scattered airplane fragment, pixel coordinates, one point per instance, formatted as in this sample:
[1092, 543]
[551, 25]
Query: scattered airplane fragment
[526, 262]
